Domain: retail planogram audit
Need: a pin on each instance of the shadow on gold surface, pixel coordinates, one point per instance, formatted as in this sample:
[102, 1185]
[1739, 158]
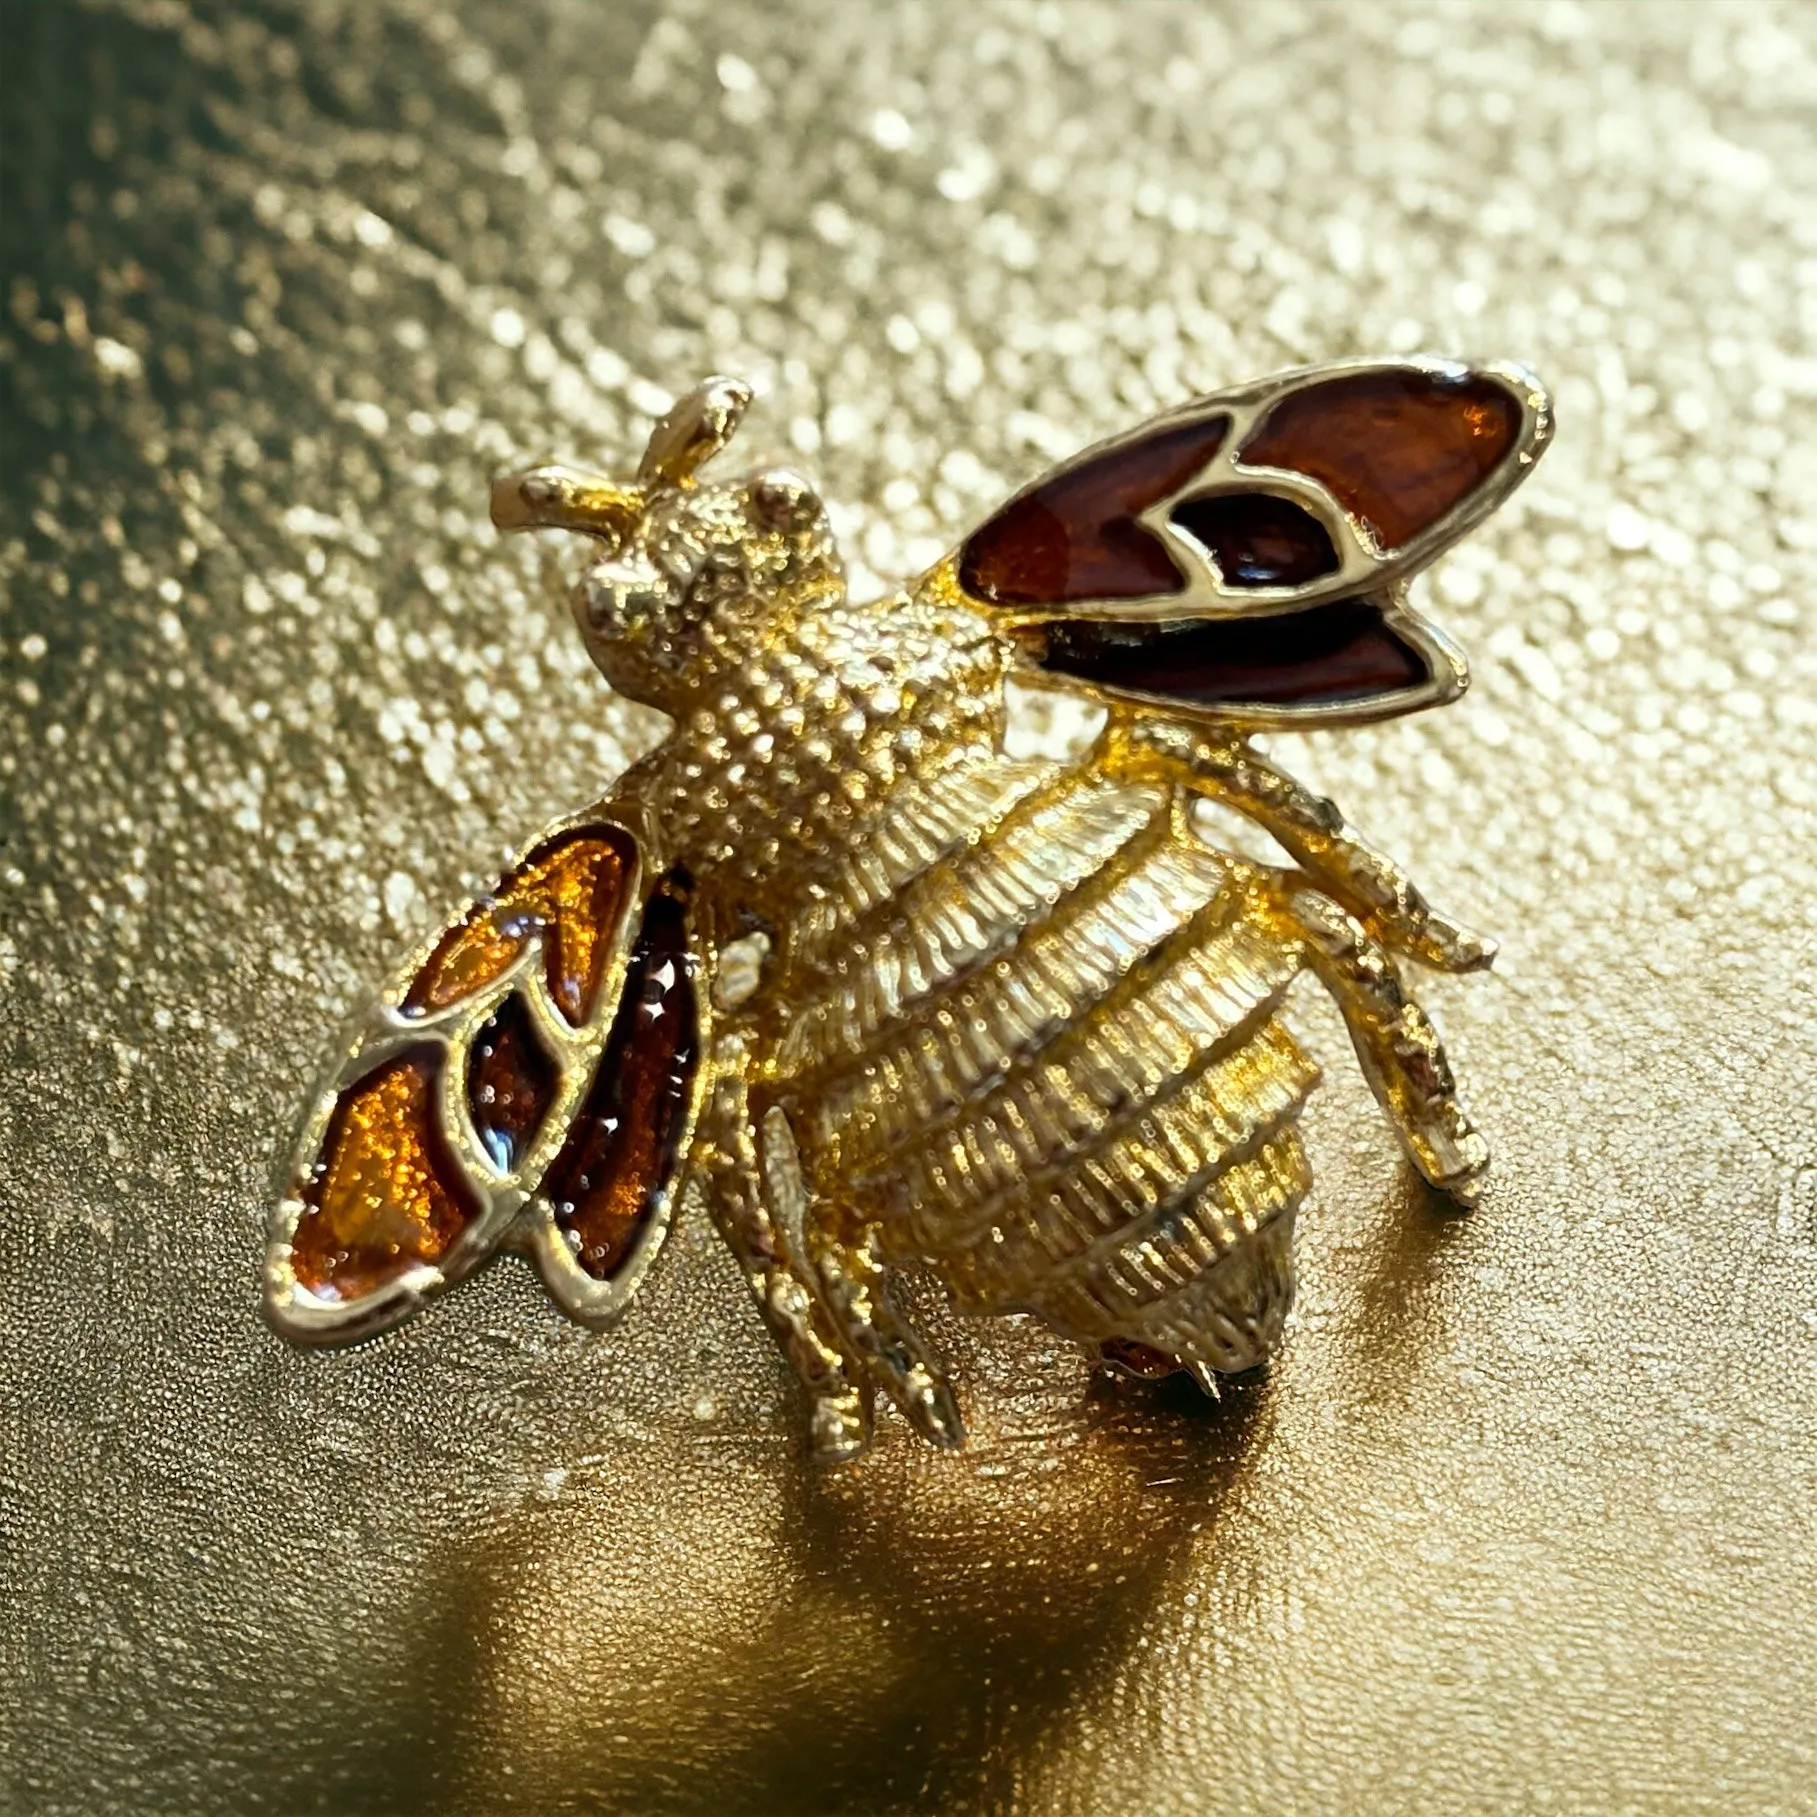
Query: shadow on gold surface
[945, 1615]
[903, 1633]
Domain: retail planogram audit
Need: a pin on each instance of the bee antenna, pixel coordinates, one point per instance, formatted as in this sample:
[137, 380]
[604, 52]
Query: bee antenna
[696, 428]
[564, 498]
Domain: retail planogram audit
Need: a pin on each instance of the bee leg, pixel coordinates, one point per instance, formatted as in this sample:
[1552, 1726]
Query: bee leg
[782, 1284]
[840, 1409]
[1399, 1050]
[853, 1282]
[1309, 827]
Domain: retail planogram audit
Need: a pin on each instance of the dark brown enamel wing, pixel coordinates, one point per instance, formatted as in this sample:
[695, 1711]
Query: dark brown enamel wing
[422, 1158]
[1247, 555]
[1399, 447]
[1350, 656]
[1074, 536]
[611, 1176]
[1306, 489]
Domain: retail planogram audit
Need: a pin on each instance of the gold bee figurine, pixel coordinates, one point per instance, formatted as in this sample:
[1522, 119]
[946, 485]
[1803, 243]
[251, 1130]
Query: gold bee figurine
[888, 993]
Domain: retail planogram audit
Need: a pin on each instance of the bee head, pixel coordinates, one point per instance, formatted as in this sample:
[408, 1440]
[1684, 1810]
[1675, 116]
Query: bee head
[693, 576]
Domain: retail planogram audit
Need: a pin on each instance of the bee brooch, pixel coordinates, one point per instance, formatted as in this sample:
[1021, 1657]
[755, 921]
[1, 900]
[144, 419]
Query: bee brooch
[886, 993]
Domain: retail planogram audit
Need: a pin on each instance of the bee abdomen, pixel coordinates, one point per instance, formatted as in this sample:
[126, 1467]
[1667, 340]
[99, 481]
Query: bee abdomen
[1054, 1067]
[1067, 1204]
[952, 918]
[927, 823]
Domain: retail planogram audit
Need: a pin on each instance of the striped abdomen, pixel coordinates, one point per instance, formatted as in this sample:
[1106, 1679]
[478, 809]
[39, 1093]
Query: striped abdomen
[1037, 1039]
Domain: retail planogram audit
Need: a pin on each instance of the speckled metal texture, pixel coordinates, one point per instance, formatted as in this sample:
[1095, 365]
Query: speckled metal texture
[1526, 1522]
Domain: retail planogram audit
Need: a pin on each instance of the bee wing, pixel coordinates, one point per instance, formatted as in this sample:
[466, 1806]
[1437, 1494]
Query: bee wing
[531, 1075]
[1246, 555]
[1314, 485]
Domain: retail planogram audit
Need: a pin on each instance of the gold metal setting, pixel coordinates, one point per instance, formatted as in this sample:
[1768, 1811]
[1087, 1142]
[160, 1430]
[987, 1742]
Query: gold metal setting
[1014, 1018]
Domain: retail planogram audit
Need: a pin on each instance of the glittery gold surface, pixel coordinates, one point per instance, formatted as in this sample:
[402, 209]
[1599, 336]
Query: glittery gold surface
[1523, 1516]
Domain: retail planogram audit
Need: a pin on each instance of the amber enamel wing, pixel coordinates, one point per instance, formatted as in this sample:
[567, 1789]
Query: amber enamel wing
[531, 1076]
[880, 992]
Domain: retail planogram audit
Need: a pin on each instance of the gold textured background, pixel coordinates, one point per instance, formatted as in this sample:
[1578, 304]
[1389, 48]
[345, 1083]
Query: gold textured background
[1523, 1520]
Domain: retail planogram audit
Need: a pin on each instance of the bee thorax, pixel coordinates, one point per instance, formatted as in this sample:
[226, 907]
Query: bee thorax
[811, 732]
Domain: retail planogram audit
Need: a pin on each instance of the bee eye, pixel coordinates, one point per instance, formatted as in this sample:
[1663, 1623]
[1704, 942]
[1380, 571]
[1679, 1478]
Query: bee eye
[616, 597]
[783, 500]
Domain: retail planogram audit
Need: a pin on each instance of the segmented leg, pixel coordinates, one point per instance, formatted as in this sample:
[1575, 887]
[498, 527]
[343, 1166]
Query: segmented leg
[1309, 827]
[1400, 1051]
[781, 1277]
[854, 1287]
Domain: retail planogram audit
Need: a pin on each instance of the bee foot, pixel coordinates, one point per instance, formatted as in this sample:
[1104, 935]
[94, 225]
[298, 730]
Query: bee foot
[840, 1426]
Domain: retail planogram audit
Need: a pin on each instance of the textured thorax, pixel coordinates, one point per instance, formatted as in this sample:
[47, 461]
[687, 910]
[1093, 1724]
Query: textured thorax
[806, 733]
